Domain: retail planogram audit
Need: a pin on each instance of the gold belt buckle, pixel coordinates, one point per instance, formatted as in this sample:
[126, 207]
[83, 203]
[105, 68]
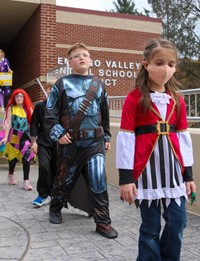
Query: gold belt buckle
[159, 130]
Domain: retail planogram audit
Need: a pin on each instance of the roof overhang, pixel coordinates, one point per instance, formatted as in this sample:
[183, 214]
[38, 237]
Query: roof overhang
[14, 14]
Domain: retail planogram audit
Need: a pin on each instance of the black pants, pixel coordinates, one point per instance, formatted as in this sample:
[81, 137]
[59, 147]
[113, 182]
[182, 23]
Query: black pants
[98, 195]
[47, 158]
[26, 167]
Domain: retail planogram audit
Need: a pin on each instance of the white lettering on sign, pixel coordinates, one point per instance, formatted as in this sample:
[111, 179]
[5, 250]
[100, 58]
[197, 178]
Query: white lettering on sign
[62, 60]
[121, 65]
[115, 73]
[111, 70]
[109, 82]
[96, 63]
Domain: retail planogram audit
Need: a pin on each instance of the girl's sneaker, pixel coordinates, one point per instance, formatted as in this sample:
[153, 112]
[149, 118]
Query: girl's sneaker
[27, 185]
[11, 179]
[39, 201]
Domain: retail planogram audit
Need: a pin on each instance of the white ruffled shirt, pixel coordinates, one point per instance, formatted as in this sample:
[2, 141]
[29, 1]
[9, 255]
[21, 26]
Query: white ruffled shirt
[125, 149]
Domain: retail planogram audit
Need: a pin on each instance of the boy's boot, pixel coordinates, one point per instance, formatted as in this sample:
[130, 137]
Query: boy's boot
[55, 207]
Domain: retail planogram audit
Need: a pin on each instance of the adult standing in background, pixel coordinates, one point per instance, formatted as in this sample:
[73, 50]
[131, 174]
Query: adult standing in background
[4, 67]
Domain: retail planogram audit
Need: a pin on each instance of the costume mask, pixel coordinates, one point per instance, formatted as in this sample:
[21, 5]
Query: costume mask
[160, 74]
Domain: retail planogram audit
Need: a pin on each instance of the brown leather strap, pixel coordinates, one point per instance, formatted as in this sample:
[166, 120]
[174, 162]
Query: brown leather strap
[86, 133]
[84, 107]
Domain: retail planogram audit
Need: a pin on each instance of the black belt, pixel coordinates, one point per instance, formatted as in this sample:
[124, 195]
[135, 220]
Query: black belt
[86, 133]
[162, 128]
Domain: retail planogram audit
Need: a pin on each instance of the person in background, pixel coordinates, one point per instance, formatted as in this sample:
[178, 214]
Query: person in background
[4, 67]
[84, 146]
[2, 127]
[154, 154]
[17, 139]
[46, 150]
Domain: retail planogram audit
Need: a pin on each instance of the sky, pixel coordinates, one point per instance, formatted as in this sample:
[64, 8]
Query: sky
[100, 5]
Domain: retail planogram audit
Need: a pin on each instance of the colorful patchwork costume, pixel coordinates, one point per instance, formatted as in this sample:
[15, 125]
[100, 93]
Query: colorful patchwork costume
[18, 144]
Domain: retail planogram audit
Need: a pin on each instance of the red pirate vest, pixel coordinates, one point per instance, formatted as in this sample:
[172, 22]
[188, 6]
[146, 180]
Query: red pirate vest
[134, 117]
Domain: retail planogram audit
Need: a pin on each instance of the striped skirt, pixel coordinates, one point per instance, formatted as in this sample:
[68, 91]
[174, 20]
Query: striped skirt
[162, 176]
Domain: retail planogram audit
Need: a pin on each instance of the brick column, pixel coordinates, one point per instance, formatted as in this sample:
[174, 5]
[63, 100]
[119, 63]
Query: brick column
[47, 38]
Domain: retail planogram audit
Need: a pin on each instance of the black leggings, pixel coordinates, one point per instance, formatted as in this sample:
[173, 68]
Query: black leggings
[26, 167]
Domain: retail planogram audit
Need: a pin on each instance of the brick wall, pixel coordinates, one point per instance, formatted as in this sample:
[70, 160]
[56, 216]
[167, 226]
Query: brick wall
[26, 51]
[99, 38]
[35, 49]
[48, 38]
[102, 37]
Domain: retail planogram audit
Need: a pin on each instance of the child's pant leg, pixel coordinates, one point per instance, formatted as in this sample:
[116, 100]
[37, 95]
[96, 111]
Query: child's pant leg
[175, 222]
[149, 243]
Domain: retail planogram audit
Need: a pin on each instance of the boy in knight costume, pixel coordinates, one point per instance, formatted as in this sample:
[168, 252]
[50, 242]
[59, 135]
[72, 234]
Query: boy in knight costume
[154, 154]
[78, 117]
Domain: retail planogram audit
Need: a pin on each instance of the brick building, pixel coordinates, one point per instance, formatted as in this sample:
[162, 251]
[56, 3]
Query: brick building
[35, 35]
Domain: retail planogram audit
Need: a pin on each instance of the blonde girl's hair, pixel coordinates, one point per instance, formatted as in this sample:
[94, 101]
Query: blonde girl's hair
[76, 46]
[142, 78]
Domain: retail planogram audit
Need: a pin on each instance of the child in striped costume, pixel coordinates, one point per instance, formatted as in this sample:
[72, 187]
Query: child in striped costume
[154, 154]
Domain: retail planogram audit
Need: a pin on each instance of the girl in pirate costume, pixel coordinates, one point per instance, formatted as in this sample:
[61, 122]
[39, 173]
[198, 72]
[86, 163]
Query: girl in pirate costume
[18, 116]
[154, 154]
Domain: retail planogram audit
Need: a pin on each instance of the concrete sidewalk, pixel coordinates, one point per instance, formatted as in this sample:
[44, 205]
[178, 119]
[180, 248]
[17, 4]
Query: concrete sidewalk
[26, 234]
